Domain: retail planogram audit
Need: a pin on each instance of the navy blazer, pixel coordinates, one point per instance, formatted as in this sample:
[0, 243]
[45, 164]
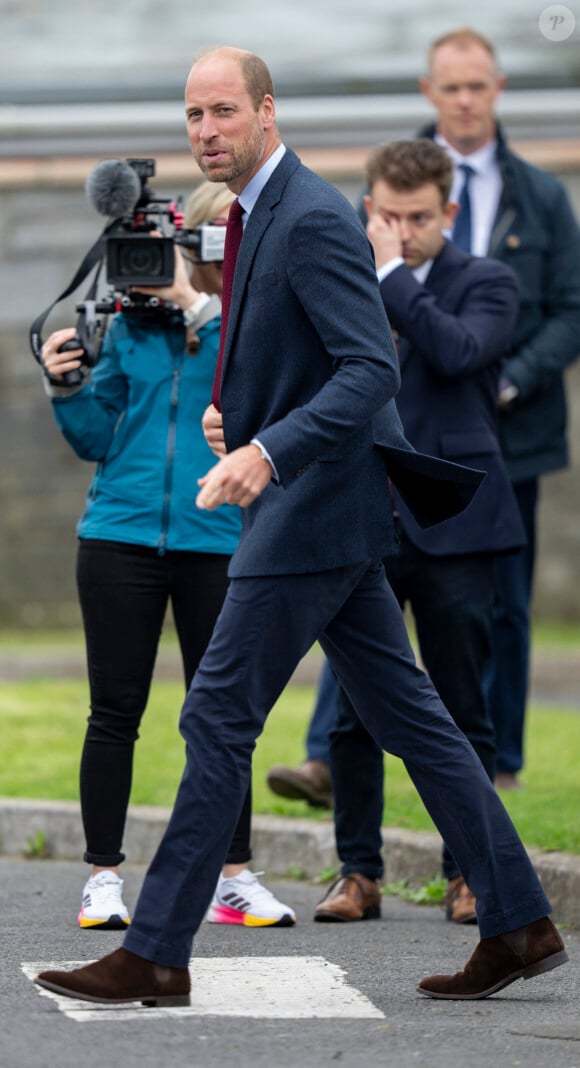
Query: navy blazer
[453, 333]
[311, 369]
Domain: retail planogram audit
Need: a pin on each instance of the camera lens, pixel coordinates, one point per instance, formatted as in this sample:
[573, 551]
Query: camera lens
[139, 259]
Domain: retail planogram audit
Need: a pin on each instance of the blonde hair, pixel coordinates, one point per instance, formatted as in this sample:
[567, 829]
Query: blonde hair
[463, 37]
[208, 201]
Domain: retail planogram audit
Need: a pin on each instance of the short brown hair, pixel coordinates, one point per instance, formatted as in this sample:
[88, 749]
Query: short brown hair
[463, 37]
[257, 78]
[407, 165]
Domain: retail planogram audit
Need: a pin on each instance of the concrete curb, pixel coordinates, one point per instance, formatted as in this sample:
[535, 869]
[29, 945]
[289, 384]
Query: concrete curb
[281, 847]
[554, 674]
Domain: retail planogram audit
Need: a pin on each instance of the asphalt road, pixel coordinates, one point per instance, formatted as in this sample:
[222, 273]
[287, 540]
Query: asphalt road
[312, 995]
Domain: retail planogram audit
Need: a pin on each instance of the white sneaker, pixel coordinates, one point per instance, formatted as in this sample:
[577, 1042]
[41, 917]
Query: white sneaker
[244, 900]
[103, 904]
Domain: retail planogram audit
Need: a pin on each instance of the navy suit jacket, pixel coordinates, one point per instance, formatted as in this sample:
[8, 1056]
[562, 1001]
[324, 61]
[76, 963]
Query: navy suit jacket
[311, 369]
[536, 234]
[453, 333]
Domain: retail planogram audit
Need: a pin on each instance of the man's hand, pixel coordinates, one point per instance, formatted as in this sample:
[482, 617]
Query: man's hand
[508, 393]
[238, 478]
[384, 235]
[213, 429]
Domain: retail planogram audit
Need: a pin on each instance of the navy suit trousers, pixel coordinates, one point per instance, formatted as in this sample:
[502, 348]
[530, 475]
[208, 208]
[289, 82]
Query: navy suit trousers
[265, 627]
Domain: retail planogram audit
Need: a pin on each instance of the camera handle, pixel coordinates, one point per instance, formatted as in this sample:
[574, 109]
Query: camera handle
[86, 338]
[69, 378]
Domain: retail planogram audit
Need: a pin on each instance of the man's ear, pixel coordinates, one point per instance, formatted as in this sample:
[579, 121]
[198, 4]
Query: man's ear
[450, 212]
[368, 205]
[425, 87]
[268, 111]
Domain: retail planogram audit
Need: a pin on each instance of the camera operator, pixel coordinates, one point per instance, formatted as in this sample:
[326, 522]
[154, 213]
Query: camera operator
[143, 543]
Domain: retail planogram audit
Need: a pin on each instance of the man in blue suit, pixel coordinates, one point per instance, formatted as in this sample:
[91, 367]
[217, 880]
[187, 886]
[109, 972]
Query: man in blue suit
[306, 390]
[454, 316]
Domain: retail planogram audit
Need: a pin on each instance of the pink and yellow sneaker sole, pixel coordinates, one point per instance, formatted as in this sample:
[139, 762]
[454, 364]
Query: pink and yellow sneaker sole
[223, 914]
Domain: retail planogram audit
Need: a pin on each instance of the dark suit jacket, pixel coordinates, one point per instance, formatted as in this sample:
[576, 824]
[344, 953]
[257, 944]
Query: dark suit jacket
[310, 367]
[535, 233]
[453, 333]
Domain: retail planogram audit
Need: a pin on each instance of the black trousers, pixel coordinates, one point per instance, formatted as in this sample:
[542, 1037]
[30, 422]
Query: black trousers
[507, 681]
[124, 591]
[452, 602]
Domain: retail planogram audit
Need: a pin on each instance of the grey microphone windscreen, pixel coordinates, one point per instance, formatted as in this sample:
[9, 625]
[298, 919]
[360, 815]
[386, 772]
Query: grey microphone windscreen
[113, 187]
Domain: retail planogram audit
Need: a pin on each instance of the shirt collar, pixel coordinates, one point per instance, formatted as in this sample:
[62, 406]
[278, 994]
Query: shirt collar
[482, 160]
[252, 190]
[421, 272]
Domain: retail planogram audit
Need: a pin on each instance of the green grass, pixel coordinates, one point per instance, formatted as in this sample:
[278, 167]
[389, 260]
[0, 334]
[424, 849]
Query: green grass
[43, 722]
[547, 634]
[61, 639]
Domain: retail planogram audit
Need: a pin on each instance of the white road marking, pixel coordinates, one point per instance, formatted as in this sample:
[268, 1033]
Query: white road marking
[258, 987]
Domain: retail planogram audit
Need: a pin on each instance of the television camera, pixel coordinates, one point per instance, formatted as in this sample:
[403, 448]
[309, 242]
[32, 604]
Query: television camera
[136, 250]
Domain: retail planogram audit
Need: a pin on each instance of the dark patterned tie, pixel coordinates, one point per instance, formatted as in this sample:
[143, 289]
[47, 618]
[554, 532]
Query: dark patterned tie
[234, 234]
[461, 234]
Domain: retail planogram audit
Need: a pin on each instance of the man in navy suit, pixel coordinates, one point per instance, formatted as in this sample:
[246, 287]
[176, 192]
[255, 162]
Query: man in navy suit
[522, 216]
[454, 315]
[306, 391]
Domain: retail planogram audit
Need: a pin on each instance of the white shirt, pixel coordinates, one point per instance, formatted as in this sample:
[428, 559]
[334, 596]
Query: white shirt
[484, 190]
[252, 190]
[420, 273]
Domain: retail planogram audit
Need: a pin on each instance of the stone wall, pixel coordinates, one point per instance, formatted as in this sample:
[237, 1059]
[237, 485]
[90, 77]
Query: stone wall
[45, 233]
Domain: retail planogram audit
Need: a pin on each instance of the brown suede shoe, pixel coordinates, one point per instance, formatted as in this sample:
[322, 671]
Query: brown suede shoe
[351, 897]
[499, 961]
[459, 902]
[120, 977]
[310, 782]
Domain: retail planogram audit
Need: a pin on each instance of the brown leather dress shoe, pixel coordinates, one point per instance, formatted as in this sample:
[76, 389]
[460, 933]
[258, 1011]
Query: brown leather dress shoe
[499, 961]
[506, 780]
[351, 897]
[459, 902]
[120, 977]
[309, 782]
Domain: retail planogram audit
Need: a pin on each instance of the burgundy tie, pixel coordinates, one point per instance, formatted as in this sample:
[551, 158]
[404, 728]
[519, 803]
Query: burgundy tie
[234, 234]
